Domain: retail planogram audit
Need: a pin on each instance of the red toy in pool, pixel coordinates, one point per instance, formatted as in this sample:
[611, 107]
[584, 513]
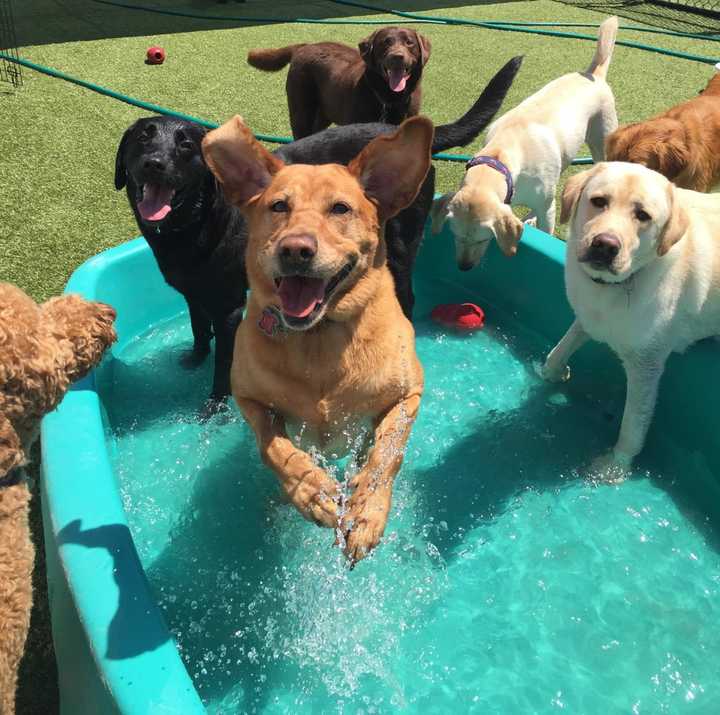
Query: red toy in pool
[155, 55]
[461, 316]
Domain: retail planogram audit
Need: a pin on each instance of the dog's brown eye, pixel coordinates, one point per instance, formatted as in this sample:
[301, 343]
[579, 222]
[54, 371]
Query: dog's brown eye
[641, 215]
[280, 206]
[187, 145]
[339, 208]
[599, 202]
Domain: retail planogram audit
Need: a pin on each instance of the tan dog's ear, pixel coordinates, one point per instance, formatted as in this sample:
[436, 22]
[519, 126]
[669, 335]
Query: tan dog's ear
[392, 168]
[366, 47]
[507, 229]
[11, 453]
[676, 225]
[439, 211]
[571, 193]
[425, 47]
[242, 165]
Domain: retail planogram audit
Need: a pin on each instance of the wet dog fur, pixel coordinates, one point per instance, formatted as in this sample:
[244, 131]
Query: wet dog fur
[343, 352]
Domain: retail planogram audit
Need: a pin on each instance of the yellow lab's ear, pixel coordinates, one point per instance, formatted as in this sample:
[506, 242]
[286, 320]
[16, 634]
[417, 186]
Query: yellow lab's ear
[392, 167]
[439, 211]
[676, 225]
[571, 193]
[242, 165]
[507, 229]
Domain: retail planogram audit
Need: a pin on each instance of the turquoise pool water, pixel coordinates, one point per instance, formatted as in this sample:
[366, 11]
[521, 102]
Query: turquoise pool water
[506, 583]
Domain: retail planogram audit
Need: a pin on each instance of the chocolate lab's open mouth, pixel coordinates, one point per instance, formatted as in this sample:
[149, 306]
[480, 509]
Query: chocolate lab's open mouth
[397, 78]
[156, 201]
[302, 298]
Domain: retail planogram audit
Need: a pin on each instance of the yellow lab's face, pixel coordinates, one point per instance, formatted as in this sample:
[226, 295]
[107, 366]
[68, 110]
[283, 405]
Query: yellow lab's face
[624, 217]
[476, 218]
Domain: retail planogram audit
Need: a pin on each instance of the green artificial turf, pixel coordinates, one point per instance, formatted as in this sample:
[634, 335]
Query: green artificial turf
[57, 146]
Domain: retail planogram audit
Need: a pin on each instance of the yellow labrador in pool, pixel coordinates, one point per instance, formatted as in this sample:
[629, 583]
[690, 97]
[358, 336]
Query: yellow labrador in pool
[643, 275]
[526, 151]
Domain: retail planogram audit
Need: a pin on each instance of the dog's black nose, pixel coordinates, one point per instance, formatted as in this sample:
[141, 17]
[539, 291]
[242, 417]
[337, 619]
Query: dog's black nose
[296, 252]
[154, 164]
[603, 249]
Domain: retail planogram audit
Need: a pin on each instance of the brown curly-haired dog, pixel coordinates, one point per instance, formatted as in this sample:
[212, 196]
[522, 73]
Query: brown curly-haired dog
[43, 349]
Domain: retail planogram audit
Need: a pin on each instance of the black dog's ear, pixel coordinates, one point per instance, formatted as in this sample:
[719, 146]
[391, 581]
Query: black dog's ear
[120, 173]
[366, 47]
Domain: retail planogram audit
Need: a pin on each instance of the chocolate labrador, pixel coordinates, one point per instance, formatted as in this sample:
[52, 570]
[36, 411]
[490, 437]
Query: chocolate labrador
[329, 82]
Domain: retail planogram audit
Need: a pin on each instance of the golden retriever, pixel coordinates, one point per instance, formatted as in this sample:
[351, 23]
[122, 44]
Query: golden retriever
[683, 143]
[325, 344]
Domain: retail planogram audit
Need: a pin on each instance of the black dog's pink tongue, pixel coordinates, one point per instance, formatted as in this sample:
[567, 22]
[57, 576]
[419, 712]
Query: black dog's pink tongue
[155, 204]
[300, 295]
[397, 79]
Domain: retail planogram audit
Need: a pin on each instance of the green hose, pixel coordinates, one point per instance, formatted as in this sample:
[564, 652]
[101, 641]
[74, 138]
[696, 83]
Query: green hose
[510, 26]
[410, 17]
[525, 29]
[231, 18]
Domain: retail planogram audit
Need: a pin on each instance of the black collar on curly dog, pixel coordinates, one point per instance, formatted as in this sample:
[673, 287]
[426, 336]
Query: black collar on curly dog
[12, 478]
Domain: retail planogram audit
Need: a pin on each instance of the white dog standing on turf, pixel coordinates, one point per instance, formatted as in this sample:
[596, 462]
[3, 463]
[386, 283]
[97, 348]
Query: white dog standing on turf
[642, 274]
[526, 151]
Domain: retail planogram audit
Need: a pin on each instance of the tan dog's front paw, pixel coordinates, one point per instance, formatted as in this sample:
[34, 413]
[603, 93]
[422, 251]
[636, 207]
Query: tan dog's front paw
[364, 523]
[316, 497]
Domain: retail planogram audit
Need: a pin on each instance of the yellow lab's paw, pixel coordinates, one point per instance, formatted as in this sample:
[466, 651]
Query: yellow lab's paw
[316, 497]
[364, 524]
[610, 468]
[552, 373]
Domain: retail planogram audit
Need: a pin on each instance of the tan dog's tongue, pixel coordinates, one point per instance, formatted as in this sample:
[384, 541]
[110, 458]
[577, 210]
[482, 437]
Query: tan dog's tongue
[397, 79]
[155, 204]
[300, 295]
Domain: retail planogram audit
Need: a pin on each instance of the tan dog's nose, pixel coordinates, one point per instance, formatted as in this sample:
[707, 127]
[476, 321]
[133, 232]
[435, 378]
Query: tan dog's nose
[297, 252]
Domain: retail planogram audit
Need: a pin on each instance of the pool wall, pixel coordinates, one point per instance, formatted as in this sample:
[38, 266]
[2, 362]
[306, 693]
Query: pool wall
[114, 651]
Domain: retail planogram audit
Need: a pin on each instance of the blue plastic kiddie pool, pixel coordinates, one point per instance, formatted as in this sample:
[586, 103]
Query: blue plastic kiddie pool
[507, 582]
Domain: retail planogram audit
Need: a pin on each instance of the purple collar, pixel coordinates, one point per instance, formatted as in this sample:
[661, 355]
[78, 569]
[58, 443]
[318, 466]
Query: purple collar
[498, 166]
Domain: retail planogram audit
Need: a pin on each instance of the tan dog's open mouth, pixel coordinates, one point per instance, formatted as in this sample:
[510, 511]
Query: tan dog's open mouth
[303, 299]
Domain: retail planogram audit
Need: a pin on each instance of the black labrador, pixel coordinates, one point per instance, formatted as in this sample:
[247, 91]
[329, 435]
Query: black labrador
[198, 239]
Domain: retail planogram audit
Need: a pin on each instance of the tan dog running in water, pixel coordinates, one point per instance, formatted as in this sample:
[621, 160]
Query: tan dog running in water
[325, 343]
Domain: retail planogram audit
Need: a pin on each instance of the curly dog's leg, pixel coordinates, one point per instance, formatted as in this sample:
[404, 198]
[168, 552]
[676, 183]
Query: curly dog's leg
[16, 565]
